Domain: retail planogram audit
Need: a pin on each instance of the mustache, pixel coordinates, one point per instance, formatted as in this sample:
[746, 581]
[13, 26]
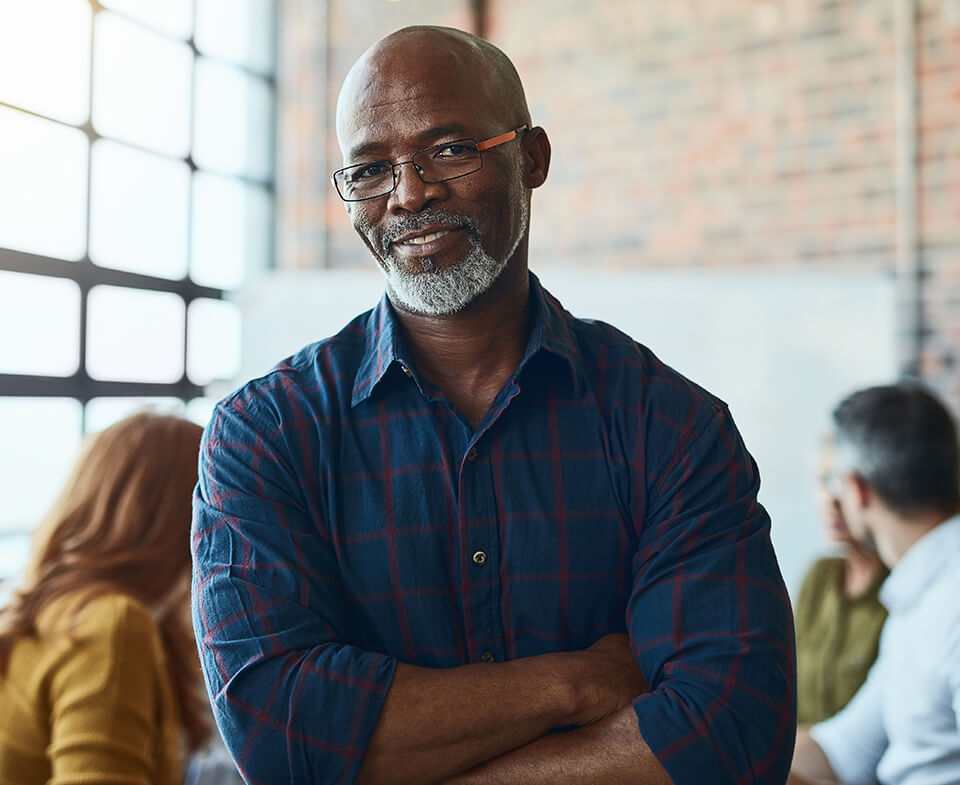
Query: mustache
[413, 223]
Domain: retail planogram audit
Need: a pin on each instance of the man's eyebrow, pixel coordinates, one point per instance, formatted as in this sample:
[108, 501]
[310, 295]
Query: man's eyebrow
[367, 150]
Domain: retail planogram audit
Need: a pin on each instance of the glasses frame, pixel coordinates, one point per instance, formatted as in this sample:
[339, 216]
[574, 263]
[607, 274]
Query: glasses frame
[486, 144]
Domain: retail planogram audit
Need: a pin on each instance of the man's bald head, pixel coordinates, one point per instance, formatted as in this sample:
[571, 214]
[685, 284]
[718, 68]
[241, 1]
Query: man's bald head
[416, 57]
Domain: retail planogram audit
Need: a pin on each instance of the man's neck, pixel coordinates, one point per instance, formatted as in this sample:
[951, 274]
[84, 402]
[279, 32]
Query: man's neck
[470, 354]
[897, 534]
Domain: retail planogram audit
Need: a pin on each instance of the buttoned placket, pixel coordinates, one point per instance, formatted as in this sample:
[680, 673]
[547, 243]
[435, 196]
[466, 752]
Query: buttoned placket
[479, 531]
[480, 538]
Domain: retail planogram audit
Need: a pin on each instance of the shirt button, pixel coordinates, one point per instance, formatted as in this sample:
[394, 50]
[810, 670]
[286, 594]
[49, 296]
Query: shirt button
[487, 656]
[472, 455]
[480, 558]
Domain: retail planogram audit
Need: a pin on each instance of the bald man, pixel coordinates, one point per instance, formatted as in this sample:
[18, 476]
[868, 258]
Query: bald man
[470, 538]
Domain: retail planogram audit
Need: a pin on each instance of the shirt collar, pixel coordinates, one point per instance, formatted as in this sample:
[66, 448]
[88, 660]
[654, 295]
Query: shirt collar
[381, 335]
[552, 332]
[923, 564]
[384, 345]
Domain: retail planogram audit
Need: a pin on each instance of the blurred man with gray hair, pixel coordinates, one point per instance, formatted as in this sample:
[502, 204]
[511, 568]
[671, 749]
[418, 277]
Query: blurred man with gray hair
[897, 482]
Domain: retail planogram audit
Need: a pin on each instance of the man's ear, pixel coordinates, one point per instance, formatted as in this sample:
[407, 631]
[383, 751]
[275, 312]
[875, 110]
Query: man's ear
[536, 157]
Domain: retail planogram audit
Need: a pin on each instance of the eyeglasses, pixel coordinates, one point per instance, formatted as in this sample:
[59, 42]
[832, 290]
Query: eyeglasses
[833, 481]
[446, 161]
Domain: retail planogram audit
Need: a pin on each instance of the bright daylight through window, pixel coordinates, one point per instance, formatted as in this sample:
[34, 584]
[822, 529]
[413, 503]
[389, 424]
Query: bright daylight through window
[137, 163]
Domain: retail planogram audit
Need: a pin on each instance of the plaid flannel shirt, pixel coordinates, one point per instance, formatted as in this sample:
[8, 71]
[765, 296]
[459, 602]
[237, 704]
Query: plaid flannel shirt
[347, 517]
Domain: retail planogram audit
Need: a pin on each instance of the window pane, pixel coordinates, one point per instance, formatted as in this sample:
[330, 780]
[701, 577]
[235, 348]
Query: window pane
[39, 325]
[41, 439]
[141, 86]
[169, 16]
[14, 552]
[213, 341]
[139, 211]
[43, 187]
[45, 57]
[231, 231]
[234, 121]
[103, 412]
[199, 410]
[134, 336]
[240, 31]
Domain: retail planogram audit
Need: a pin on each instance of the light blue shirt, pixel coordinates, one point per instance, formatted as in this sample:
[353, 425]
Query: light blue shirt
[902, 727]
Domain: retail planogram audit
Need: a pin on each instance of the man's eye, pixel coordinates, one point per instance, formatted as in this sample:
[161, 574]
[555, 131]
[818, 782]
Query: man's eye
[456, 151]
[367, 172]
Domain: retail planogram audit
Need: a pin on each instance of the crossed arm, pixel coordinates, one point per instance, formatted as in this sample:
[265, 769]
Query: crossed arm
[481, 724]
[708, 620]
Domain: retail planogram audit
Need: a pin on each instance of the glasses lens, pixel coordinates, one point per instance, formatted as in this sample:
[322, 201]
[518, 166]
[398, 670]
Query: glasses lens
[364, 181]
[833, 483]
[448, 160]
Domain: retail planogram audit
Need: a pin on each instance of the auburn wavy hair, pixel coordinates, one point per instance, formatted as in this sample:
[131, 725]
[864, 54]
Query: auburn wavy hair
[122, 524]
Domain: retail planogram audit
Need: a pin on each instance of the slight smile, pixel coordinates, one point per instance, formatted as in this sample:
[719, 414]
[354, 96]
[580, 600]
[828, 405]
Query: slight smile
[427, 243]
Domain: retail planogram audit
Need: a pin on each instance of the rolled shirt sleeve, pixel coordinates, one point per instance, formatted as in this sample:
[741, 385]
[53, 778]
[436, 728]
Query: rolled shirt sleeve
[709, 618]
[293, 701]
[854, 739]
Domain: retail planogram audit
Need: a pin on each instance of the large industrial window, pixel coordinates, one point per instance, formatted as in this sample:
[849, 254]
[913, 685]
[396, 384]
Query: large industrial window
[136, 172]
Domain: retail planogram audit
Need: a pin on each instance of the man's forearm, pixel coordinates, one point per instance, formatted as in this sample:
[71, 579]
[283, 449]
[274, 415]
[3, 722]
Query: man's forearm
[437, 724]
[611, 752]
[810, 765]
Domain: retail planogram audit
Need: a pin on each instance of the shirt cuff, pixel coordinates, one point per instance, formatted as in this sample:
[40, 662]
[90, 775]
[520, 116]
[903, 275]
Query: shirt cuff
[847, 766]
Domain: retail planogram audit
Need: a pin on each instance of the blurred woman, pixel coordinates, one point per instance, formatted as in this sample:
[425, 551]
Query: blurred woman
[838, 614]
[99, 675]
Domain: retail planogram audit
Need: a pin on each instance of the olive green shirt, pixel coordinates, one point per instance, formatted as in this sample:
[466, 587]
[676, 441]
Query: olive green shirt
[837, 640]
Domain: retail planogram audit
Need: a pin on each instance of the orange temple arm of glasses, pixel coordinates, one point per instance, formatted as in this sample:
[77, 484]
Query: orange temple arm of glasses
[496, 140]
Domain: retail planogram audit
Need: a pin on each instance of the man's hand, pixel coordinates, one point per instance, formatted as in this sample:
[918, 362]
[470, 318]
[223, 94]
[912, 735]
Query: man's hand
[609, 752]
[612, 679]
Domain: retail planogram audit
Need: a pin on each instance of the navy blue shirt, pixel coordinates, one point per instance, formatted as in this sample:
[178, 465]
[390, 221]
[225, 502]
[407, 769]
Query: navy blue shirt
[349, 517]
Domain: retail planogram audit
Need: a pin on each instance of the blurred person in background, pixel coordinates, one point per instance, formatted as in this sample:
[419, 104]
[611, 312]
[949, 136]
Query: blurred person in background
[839, 615]
[99, 677]
[897, 468]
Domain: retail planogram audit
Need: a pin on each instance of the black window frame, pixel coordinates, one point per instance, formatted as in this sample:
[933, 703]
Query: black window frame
[80, 386]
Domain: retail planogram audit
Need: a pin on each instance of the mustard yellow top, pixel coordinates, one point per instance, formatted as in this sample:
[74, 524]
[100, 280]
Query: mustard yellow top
[837, 639]
[94, 705]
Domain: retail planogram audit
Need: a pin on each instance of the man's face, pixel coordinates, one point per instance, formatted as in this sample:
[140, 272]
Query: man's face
[853, 511]
[439, 244]
[854, 499]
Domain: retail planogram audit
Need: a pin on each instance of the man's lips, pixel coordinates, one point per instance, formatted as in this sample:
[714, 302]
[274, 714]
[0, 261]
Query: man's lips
[425, 242]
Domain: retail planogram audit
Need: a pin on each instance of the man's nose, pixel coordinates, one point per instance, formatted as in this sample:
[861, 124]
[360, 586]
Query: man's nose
[412, 194]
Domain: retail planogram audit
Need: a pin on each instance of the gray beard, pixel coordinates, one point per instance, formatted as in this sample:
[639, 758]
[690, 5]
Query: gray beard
[444, 291]
[434, 291]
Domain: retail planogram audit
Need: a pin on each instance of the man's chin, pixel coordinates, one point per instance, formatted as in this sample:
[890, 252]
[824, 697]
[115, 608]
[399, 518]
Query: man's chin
[420, 306]
[433, 292]
[401, 264]
[444, 289]
[422, 265]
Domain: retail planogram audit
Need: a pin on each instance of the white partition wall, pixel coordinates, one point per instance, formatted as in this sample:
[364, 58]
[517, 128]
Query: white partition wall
[779, 347]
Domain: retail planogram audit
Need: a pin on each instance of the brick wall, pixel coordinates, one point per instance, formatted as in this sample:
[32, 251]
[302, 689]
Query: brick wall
[939, 191]
[721, 133]
[320, 39]
[735, 134]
